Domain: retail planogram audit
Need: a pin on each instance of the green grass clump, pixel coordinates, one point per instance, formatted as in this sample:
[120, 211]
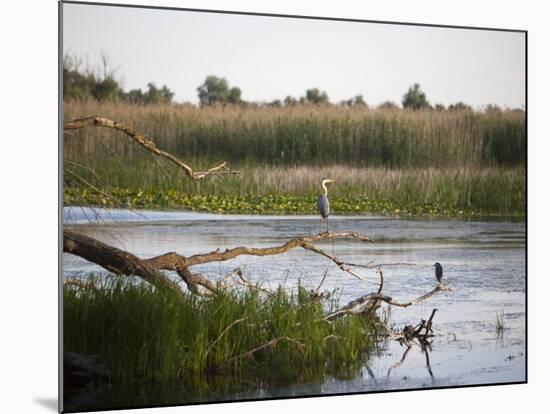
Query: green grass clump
[144, 333]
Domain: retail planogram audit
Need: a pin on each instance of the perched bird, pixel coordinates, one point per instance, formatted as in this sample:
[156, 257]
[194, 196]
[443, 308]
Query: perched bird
[438, 272]
[322, 202]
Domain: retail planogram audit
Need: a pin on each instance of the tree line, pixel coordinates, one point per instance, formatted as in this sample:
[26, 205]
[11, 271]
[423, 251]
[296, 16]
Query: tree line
[101, 84]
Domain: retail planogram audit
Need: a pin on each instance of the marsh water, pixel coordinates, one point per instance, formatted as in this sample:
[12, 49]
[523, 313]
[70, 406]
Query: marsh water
[483, 261]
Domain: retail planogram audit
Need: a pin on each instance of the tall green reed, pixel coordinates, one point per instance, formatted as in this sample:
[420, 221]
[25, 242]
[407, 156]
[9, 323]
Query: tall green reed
[306, 135]
[144, 333]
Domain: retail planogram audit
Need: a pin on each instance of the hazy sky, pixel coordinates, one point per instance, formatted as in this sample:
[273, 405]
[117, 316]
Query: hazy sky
[270, 58]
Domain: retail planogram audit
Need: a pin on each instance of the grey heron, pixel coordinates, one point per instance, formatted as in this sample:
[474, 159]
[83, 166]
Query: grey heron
[438, 272]
[322, 202]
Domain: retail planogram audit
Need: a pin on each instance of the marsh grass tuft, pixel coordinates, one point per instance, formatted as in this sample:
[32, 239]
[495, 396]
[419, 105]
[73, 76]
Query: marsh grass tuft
[144, 333]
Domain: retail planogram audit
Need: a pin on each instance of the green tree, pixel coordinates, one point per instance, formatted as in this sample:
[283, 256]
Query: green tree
[156, 96]
[493, 109]
[234, 96]
[276, 103]
[359, 101]
[355, 101]
[213, 90]
[388, 105]
[439, 107]
[153, 95]
[415, 99]
[100, 84]
[216, 90]
[135, 96]
[460, 106]
[107, 89]
[316, 97]
[76, 85]
[290, 101]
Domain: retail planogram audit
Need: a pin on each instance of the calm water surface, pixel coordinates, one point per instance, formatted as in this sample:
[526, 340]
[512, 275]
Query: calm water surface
[484, 263]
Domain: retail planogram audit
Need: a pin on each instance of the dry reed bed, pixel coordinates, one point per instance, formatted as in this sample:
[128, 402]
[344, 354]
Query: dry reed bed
[307, 134]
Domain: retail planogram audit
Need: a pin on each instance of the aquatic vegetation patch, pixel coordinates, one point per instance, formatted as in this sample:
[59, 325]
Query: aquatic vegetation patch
[146, 333]
[277, 204]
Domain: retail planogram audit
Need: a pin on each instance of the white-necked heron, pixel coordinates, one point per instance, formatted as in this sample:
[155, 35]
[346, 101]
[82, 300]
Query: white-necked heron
[322, 202]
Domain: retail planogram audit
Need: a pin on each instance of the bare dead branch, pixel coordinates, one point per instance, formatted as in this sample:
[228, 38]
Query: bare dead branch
[227, 328]
[422, 298]
[149, 145]
[121, 262]
[193, 280]
[229, 276]
[376, 303]
[364, 303]
[325, 273]
[345, 267]
[269, 344]
[247, 283]
[240, 279]
[171, 261]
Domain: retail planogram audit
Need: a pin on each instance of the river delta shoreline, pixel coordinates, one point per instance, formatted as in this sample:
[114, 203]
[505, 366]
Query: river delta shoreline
[484, 262]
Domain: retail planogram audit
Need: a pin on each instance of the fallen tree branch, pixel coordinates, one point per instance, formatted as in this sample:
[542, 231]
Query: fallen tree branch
[364, 303]
[303, 242]
[121, 262]
[170, 261]
[149, 145]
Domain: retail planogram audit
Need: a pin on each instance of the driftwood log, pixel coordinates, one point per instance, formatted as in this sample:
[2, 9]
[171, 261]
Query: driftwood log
[122, 262]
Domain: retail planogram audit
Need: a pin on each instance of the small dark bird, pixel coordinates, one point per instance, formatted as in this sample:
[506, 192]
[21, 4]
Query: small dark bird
[322, 202]
[438, 272]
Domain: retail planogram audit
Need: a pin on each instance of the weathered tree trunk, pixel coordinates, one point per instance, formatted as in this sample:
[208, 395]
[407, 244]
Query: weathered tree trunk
[114, 260]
